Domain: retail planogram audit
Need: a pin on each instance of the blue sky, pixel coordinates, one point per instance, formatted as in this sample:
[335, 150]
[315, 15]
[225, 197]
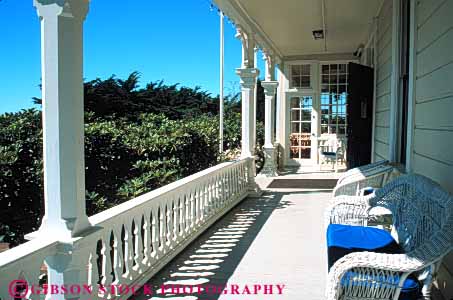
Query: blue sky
[177, 41]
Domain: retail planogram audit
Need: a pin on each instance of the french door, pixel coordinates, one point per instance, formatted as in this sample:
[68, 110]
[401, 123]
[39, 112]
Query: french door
[301, 127]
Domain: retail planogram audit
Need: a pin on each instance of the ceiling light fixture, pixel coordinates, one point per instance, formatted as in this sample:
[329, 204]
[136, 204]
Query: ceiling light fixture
[318, 34]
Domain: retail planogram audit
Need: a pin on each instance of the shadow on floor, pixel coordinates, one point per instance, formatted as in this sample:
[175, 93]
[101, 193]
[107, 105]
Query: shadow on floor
[212, 258]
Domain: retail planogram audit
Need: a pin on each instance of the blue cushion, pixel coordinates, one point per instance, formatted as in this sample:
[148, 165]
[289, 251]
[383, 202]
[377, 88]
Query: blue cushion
[411, 289]
[345, 239]
[350, 237]
[329, 153]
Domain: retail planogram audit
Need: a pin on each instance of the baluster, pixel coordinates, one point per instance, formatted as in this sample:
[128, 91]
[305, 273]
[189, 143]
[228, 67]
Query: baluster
[202, 200]
[138, 236]
[169, 223]
[187, 215]
[193, 209]
[223, 188]
[228, 183]
[93, 274]
[199, 205]
[117, 263]
[183, 216]
[236, 181]
[163, 228]
[155, 234]
[106, 261]
[165, 233]
[147, 240]
[128, 251]
[32, 278]
[159, 231]
[219, 191]
[176, 218]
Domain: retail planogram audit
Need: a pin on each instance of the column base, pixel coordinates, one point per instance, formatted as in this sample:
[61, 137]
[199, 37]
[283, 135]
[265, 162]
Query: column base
[254, 191]
[270, 163]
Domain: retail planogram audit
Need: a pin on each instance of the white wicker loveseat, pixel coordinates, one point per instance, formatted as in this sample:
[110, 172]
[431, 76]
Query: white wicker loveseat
[373, 175]
[423, 220]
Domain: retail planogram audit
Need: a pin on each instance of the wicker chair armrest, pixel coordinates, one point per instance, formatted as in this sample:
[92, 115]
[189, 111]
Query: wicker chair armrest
[352, 210]
[352, 185]
[371, 265]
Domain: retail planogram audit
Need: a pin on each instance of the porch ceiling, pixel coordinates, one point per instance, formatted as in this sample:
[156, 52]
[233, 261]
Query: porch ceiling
[289, 23]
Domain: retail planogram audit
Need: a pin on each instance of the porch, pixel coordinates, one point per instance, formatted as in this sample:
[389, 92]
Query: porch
[184, 233]
[277, 238]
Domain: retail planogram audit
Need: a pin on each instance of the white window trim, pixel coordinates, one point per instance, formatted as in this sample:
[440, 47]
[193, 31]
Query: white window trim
[412, 85]
[394, 140]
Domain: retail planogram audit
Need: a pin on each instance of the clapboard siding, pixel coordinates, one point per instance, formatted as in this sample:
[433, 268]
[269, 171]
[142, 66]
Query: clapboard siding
[381, 134]
[382, 119]
[434, 144]
[435, 114]
[426, 9]
[383, 81]
[437, 84]
[436, 170]
[383, 103]
[433, 118]
[381, 149]
[436, 55]
[436, 26]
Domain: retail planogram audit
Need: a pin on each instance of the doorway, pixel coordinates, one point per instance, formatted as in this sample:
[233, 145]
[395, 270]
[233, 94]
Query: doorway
[301, 127]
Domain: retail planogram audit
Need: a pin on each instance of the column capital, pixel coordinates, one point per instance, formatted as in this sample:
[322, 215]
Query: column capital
[270, 87]
[248, 76]
[66, 8]
[248, 46]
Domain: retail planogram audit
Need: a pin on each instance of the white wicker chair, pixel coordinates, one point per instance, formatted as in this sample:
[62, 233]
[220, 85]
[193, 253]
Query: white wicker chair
[331, 151]
[361, 170]
[374, 177]
[423, 219]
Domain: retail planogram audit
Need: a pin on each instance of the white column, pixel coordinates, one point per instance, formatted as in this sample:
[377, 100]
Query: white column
[270, 88]
[248, 75]
[63, 117]
[255, 99]
[221, 96]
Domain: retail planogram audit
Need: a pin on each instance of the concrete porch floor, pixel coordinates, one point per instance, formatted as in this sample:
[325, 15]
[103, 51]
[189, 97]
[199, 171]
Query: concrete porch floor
[277, 238]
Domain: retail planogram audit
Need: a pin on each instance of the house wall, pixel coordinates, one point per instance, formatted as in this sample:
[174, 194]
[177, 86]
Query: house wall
[430, 131]
[384, 57]
[432, 153]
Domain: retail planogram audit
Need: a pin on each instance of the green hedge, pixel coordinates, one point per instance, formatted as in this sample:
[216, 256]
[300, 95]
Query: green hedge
[123, 159]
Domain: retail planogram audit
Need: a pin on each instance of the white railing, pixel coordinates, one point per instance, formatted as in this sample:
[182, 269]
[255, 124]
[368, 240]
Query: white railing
[130, 242]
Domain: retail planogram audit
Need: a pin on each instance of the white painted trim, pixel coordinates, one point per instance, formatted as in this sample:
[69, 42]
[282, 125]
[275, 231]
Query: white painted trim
[395, 82]
[375, 70]
[412, 86]
[236, 12]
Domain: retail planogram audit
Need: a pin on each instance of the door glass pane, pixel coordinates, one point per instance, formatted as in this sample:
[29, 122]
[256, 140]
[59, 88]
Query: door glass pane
[295, 127]
[305, 153]
[306, 115]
